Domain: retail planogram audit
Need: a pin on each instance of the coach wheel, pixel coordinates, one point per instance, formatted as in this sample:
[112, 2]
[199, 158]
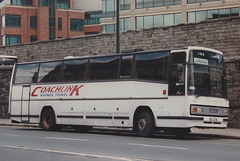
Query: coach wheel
[145, 124]
[48, 121]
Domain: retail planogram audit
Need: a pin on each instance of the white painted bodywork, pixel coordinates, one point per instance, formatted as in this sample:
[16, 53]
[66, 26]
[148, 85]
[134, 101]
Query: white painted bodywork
[104, 99]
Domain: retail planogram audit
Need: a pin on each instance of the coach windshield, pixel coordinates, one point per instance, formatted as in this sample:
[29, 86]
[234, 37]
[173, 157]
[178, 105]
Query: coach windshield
[206, 74]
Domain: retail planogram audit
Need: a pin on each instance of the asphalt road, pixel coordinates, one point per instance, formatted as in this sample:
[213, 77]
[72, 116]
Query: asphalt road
[33, 144]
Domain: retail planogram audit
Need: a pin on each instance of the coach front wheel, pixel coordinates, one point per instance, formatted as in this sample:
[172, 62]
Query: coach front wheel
[145, 124]
[48, 121]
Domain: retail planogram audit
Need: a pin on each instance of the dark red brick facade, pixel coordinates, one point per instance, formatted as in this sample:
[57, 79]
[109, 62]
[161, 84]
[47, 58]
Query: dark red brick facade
[42, 14]
[66, 16]
[93, 29]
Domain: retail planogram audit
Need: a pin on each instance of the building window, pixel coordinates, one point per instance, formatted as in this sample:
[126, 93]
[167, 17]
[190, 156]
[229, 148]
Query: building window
[13, 21]
[12, 39]
[33, 22]
[156, 3]
[92, 17]
[109, 28]
[125, 4]
[63, 4]
[109, 7]
[47, 3]
[52, 23]
[33, 38]
[210, 14]
[199, 1]
[77, 25]
[22, 2]
[91, 21]
[59, 23]
[125, 24]
[158, 20]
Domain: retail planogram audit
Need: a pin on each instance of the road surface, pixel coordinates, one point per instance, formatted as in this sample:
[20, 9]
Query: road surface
[33, 144]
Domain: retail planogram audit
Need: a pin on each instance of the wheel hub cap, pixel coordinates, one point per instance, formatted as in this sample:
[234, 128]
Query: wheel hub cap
[142, 124]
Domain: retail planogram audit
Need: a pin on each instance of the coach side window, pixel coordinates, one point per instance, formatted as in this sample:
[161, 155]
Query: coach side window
[26, 73]
[50, 72]
[126, 66]
[74, 70]
[151, 66]
[103, 68]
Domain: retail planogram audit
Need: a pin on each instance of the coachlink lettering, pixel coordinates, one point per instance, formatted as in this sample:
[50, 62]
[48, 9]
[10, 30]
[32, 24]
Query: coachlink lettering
[57, 90]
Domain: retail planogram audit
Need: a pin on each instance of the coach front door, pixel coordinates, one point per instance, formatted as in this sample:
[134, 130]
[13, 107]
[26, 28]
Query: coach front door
[25, 103]
[177, 74]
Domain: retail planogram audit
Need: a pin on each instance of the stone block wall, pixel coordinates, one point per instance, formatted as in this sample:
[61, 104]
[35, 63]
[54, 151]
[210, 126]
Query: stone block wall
[221, 34]
[5, 77]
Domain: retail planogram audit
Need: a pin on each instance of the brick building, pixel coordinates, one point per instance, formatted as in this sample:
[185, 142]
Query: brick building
[92, 22]
[93, 13]
[24, 21]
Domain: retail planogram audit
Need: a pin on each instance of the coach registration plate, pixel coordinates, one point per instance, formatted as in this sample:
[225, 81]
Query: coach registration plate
[212, 119]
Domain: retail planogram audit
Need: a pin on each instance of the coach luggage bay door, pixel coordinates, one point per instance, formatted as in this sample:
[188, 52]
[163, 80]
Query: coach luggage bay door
[25, 103]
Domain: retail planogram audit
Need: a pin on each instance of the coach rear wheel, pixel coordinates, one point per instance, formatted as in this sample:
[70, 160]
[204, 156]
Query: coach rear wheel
[48, 121]
[145, 124]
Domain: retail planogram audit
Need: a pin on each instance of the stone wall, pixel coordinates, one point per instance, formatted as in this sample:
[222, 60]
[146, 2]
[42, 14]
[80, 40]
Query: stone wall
[221, 34]
[5, 77]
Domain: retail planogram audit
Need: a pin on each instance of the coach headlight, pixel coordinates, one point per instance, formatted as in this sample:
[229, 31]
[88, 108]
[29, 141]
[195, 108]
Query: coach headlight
[197, 110]
[226, 112]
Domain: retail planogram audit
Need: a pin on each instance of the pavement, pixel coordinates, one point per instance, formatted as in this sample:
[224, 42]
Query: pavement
[228, 133]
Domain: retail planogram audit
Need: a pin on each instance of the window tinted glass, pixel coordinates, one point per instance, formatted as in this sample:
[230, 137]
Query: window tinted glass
[177, 82]
[206, 58]
[178, 59]
[103, 68]
[148, 21]
[158, 20]
[33, 38]
[126, 65]
[26, 73]
[13, 20]
[65, 4]
[13, 39]
[50, 72]
[33, 22]
[152, 66]
[74, 70]
[168, 19]
[77, 24]
[59, 23]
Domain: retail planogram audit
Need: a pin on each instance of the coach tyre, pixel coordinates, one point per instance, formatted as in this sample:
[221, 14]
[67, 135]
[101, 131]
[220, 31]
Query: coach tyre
[48, 121]
[145, 124]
